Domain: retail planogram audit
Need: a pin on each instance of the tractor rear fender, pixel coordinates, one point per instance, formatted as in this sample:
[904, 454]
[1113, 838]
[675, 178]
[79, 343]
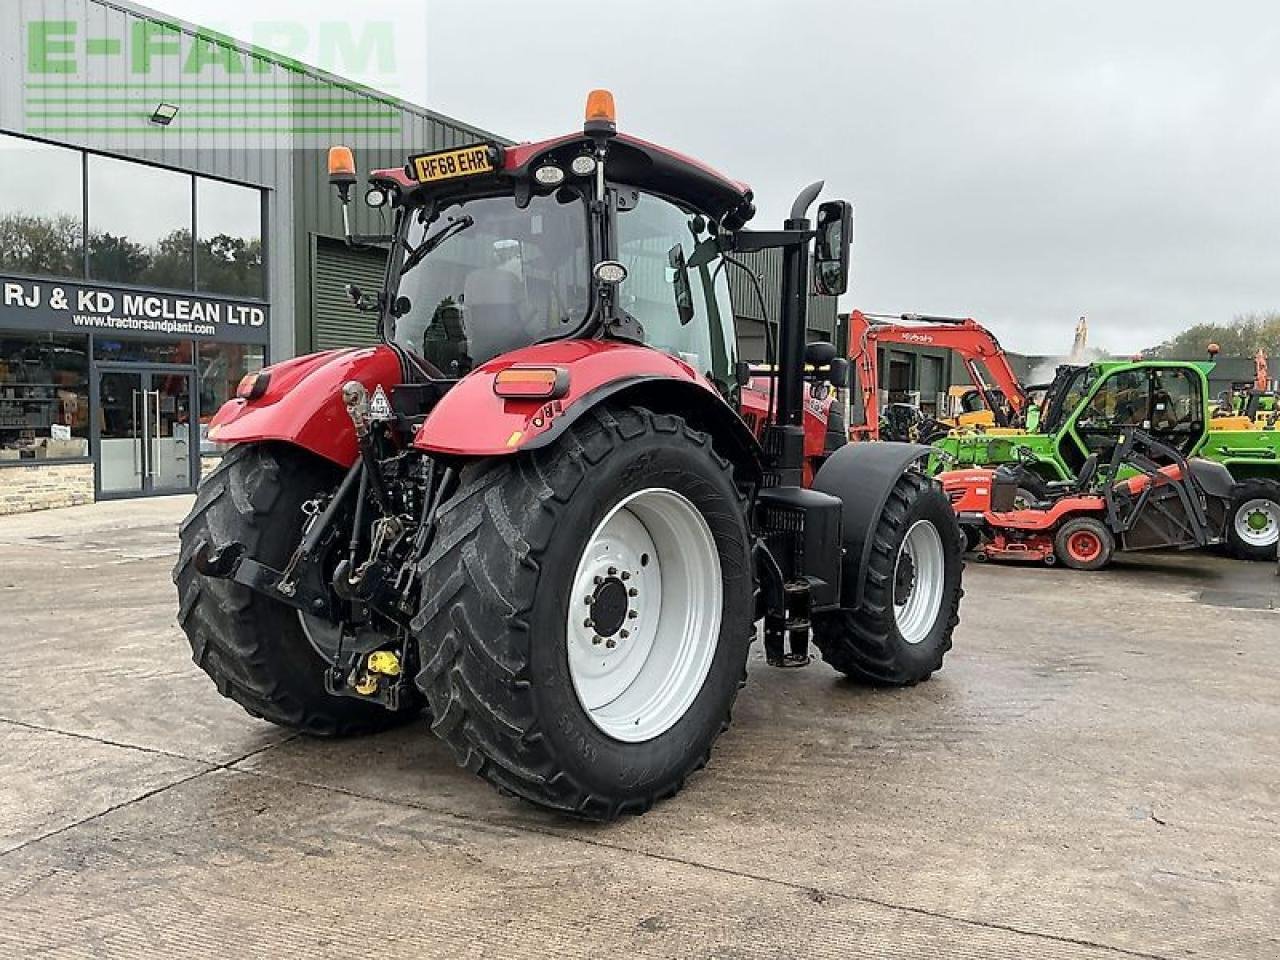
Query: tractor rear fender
[472, 420]
[863, 475]
[302, 402]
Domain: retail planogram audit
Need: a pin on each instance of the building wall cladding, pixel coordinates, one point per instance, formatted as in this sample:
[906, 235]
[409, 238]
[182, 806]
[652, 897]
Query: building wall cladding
[44, 487]
[220, 130]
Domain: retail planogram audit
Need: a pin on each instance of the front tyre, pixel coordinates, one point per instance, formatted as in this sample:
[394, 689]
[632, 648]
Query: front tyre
[1253, 523]
[902, 631]
[586, 614]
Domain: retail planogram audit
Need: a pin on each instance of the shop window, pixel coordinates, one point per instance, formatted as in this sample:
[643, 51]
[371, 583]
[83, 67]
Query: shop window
[142, 351]
[229, 245]
[44, 397]
[222, 366]
[139, 224]
[41, 208]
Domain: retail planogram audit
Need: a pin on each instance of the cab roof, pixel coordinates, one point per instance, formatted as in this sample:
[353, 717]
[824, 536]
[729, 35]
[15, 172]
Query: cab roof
[635, 162]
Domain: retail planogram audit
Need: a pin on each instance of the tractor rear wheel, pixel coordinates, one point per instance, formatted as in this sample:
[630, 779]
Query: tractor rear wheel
[255, 649]
[1253, 522]
[902, 630]
[1084, 543]
[586, 614]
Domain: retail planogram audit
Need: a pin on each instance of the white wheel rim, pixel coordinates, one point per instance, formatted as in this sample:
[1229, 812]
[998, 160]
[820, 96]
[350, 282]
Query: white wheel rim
[638, 671]
[1258, 522]
[918, 579]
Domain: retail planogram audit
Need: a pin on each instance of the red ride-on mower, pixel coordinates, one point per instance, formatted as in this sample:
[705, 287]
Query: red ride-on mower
[1163, 500]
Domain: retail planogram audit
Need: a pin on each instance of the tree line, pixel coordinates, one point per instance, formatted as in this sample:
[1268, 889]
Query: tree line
[54, 246]
[1242, 337]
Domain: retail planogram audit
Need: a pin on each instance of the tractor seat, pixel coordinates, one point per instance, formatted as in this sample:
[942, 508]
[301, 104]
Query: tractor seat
[1084, 479]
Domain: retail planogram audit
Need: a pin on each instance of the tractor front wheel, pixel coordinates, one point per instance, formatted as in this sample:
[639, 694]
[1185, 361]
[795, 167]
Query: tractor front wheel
[586, 614]
[1253, 525]
[902, 630]
[1084, 543]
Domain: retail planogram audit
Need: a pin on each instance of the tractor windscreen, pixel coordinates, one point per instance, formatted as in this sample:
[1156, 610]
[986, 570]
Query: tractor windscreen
[490, 277]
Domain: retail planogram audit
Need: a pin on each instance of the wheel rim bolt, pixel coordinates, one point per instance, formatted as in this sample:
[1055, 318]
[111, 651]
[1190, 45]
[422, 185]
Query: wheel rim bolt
[624, 634]
[611, 643]
[625, 575]
[613, 571]
[633, 592]
[588, 624]
[631, 614]
[597, 641]
[599, 580]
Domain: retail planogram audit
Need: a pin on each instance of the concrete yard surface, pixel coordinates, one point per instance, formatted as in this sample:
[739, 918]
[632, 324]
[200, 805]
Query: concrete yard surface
[1094, 774]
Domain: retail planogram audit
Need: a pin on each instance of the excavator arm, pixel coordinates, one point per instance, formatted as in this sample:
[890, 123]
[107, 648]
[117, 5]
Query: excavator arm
[976, 345]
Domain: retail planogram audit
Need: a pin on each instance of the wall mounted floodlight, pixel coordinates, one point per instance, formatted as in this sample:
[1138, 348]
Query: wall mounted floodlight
[164, 114]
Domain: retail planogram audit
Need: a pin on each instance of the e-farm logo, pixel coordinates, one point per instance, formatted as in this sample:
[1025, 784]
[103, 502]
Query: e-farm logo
[79, 82]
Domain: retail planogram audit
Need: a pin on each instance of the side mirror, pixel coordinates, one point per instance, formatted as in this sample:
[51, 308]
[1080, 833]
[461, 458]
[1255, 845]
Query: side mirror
[831, 255]
[839, 375]
[680, 281]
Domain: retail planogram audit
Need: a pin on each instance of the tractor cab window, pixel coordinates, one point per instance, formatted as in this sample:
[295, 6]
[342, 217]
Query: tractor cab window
[1177, 408]
[1162, 402]
[504, 278]
[680, 301]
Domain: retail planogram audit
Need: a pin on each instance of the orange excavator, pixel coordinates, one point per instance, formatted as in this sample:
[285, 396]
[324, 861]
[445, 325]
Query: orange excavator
[1002, 402]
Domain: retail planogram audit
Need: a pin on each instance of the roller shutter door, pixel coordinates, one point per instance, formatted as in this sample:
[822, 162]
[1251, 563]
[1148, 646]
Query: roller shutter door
[335, 321]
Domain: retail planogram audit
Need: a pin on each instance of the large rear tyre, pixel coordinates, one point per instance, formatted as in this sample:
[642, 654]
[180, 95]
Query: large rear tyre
[252, 647]
[1253, 523]
[1084, 543]
[902, 631]
[586, 614]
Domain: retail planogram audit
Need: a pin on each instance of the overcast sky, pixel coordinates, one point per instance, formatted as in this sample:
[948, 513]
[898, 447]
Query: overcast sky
[1020, 161]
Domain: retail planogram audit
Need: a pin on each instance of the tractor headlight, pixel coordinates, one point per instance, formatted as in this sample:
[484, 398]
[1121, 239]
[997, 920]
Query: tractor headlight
[549, 175]
[610, 271]
[583, 165]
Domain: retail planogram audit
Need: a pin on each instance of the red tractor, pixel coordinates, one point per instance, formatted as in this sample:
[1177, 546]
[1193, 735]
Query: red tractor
[535, 511]
[1133, 493]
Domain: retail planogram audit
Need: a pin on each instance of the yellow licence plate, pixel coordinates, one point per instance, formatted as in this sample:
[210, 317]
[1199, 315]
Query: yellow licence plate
[448, 164]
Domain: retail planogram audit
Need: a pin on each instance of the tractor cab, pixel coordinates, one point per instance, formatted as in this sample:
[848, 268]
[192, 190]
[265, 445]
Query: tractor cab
[595, 234]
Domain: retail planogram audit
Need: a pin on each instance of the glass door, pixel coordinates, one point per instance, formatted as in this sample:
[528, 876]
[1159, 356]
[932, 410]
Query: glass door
[122, 413]
[146, 436]
[169, 445]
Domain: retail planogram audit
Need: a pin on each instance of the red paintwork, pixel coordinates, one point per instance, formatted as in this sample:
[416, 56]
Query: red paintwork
[516, 157]
[968, 490]
[303, 403]
[1036, 548]
[755, 411]
[1048, 519]
[471, 420]
[396, 175]
[1135, 485]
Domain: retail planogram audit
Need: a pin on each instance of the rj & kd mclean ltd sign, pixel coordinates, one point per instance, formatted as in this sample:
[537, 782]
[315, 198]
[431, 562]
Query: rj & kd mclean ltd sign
[53, 306]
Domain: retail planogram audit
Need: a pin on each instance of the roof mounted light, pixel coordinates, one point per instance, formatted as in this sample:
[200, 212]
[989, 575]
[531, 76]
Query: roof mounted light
[584, 165]
[376, 197]
[602, 116]
[549, 175]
